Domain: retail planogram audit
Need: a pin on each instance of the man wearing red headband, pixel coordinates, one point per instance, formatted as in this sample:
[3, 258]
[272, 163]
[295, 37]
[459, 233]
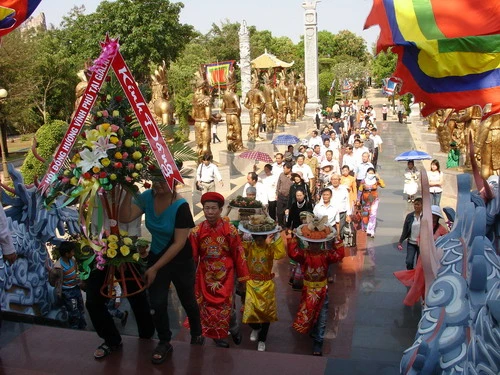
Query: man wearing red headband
[218, 250]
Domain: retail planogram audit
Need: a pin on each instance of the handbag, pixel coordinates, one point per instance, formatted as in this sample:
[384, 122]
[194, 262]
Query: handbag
[348, 233]
[198, 184]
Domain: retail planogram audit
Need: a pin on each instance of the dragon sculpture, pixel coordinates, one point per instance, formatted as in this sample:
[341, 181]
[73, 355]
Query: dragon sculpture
[459, 332]
[24, 285]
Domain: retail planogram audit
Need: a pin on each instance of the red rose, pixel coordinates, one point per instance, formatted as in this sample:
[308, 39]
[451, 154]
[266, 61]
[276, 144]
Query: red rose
[136, 134]
[117, 165]
[103, 98]
[102, 174]
[118, 98]
[108, 78]
[151, 167]
[59, 177]
[147, 185]
[144, 147]
[128, 118]
[87, 175]
[146, 158]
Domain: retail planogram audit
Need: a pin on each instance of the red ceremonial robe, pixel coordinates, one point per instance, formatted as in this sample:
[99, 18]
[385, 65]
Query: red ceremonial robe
[218, 251]
[315, 268]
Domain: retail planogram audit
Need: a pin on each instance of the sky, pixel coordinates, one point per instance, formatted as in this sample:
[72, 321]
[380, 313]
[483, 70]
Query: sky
[281, 17]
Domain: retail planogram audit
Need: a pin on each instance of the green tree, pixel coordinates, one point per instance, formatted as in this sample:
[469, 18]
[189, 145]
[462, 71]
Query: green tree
[149, 32]
[383, 66]
[223, 41]
[346, 43]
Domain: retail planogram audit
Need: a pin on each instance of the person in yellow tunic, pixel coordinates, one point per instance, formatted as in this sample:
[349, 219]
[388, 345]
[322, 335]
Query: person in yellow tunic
[260, 298]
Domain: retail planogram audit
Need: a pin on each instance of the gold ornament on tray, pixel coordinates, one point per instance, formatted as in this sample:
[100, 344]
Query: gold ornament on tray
[259, 223]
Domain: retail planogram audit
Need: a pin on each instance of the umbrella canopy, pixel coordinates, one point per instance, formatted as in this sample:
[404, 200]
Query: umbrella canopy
[285, 139]
[267, 60]
[413, 155]
[257, 156]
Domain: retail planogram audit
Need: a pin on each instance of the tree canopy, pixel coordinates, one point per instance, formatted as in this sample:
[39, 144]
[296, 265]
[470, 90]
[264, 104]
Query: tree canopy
[39, 68]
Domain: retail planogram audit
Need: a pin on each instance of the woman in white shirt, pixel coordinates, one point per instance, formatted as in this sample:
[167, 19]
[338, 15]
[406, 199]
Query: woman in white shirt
[435, 182]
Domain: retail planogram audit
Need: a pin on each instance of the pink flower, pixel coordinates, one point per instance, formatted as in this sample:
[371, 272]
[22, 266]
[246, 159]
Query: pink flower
[114, 128]
[105, 113]
[65, 180]
[130, 166]
[124, 155]
[129, 179]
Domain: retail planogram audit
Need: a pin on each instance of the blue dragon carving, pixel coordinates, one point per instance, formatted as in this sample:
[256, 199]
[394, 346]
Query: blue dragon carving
[24, 286]
[459, 332]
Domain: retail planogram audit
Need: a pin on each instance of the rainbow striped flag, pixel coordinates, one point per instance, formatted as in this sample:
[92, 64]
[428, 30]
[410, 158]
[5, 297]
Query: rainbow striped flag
[14, 12]
[448, 51]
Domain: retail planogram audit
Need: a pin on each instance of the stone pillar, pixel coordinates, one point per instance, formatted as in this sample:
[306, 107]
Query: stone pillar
[311, 56]
[246, 71]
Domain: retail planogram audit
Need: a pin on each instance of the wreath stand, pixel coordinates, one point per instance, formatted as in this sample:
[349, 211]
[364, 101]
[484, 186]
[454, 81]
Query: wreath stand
[122, 273]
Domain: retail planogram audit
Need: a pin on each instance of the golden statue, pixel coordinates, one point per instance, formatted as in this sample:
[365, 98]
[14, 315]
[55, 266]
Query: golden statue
[255, 102]
[282, 97]
[80, 88]
[271, 108]
[487, 146]
[444, 128]
[201, 113]
[292, 97]
[301, 97]
[232, 108]
[472, 118]
[433, 121]
[161, 103]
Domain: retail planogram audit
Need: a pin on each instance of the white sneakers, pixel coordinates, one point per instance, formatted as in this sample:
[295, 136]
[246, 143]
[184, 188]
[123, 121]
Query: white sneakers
[254, 335]
[261, 347]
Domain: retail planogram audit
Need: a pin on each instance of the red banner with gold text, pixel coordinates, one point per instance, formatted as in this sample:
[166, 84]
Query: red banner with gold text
[149, 127]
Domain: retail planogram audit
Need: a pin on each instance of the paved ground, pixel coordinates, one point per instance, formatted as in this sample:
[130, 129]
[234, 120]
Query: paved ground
[368, 325]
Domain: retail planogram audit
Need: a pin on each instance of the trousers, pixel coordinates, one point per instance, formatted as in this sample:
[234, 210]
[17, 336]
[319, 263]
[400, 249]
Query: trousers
[101, 318]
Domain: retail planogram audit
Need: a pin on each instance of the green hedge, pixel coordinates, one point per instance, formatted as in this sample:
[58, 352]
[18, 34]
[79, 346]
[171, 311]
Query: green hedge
[49, 136]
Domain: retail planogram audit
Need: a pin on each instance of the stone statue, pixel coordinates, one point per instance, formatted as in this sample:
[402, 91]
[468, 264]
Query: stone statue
[161, 103]
[271, 108]
[301, 98]
[487, 146]
[255, 102]
[232, 108]
[471, 118]
[201, 113]
[292, 97]
[282, 98]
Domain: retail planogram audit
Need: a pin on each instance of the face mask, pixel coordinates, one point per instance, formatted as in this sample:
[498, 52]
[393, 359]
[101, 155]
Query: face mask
[370, 179]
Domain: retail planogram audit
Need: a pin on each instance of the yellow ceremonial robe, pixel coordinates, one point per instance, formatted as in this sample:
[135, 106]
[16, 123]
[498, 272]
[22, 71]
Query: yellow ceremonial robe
[260, 298]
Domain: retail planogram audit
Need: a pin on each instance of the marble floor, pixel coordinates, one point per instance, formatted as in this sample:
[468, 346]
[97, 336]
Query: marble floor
[368, 325]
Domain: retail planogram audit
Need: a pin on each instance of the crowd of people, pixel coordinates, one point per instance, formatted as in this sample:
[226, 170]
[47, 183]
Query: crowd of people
[331, 177]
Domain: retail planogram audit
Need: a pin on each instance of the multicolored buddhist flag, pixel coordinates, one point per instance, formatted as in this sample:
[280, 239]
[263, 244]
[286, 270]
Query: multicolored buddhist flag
[448, 51]
[218, 72]
[14, 12]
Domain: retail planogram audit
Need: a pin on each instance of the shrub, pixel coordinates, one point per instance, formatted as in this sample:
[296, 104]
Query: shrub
[48, 137]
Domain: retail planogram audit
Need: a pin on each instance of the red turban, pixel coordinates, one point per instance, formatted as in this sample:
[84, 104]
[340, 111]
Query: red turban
[212, 197]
